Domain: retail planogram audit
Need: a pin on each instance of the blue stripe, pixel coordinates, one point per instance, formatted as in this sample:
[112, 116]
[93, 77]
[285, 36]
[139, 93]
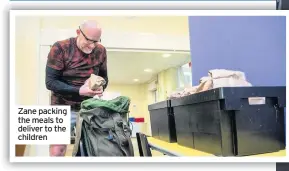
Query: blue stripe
[147, 0]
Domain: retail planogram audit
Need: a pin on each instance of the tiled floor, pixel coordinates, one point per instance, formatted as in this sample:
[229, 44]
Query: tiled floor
[135, 146]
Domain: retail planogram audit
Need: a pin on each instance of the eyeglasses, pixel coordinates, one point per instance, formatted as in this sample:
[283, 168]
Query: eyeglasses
[89, 41]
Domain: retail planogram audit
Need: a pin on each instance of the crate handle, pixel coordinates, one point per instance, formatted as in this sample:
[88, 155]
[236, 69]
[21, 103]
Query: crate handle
[257, 100]
[234, 103]
[236, 94]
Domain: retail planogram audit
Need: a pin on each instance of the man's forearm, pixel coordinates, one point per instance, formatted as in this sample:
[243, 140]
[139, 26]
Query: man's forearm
[106, 80]
[54, 84]
[103, 74]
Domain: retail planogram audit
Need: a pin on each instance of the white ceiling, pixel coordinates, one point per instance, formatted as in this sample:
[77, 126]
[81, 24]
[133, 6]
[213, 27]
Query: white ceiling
[124, 67]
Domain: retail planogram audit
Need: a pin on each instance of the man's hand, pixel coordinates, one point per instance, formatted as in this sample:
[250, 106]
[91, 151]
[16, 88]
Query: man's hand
[99, 91]
[86, 91]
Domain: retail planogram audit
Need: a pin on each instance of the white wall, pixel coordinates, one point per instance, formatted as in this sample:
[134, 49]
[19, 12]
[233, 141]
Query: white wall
[124, 40]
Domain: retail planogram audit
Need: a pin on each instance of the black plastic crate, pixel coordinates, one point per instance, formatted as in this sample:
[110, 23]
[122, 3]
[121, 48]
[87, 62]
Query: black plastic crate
[222, 122]
[162, 121]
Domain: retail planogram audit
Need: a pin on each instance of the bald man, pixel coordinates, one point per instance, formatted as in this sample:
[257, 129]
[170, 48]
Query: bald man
[70, 63]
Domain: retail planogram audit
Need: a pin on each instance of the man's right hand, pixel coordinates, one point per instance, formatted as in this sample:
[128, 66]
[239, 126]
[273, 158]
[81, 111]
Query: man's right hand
[86, 91]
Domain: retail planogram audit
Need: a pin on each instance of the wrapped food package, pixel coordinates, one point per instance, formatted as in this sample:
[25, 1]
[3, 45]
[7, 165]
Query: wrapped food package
[95, 82]
[216, 78]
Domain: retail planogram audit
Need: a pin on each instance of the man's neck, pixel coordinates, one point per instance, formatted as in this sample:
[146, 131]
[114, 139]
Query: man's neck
[77, 43]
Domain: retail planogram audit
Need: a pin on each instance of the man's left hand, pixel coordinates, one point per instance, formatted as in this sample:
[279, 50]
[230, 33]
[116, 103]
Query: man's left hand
[99, 91]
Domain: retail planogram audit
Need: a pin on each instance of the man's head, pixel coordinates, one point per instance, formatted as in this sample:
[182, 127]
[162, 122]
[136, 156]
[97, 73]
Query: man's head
[88, 33]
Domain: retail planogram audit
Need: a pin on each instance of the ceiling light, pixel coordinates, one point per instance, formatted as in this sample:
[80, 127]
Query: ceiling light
[166, 55]
[148, 70]
[136, 80]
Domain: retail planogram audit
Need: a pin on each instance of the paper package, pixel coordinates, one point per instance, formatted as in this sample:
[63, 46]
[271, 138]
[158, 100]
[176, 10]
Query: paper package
[216, 78]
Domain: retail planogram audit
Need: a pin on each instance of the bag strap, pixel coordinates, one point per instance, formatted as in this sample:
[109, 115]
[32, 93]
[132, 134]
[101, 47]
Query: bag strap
[127, 134]
[130, 146]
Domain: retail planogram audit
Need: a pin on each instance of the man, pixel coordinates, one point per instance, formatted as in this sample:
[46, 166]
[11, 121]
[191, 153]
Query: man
[70, 63]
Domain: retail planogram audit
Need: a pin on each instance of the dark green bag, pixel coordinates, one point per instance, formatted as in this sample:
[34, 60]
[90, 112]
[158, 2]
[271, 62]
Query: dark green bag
[102, 129]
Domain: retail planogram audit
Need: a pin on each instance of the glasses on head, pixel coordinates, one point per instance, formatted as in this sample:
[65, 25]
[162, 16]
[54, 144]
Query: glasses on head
[89, 41]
